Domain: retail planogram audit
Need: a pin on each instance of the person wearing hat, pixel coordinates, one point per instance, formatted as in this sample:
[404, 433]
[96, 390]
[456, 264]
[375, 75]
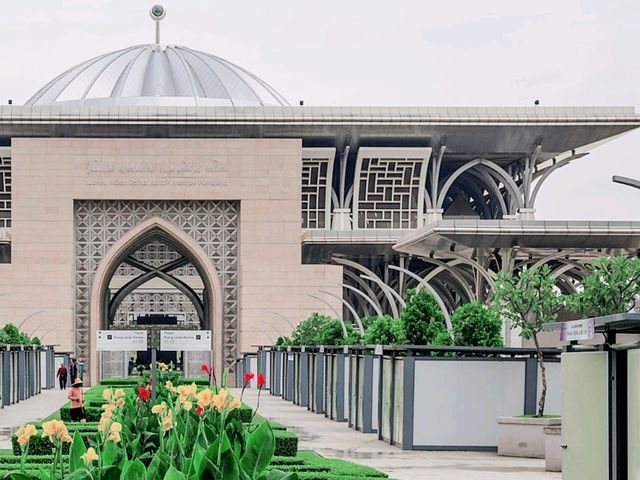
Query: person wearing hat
[76, 395]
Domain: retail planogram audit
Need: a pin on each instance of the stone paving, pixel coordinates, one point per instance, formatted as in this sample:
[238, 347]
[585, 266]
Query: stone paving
[333, 439]
[30, 410]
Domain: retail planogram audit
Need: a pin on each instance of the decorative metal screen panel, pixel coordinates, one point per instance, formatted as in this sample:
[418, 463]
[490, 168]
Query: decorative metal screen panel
[212, 224]
[317, 176]
[5, 191]
[156, 301]
[156, 254]
[389, 187]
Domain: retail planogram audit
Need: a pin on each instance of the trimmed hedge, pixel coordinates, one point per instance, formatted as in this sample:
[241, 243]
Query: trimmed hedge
[286, 443]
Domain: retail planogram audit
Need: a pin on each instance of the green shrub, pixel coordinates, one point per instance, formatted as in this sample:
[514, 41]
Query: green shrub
[93, 413]
[384, 330]
[334, 335]
[12, 335]
[474, 325]
[286, 443]
[310, 331]
[422, 318]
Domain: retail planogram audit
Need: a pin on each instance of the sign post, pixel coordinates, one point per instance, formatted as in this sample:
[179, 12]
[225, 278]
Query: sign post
[186, 341]
[120, 341]
[576, 330]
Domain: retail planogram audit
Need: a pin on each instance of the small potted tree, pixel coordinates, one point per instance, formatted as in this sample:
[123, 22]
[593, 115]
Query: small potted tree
[529, 300]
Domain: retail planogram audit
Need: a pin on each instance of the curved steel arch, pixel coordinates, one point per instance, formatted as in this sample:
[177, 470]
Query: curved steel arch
[338, 316]
[376, 307]
[365, 270]
[507, 180]
[348, 305]
[435, 294]
[365, 286]
[492, 188]
[475, 265]
[447, 267]
[387, 288]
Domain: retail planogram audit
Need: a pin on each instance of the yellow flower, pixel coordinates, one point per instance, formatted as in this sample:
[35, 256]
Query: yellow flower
[90, 456]
[158, 408]
[25, 433]
[167, 423]
[187, 405]
[114, 432]
[235, 403]
[204, 398]
[55, 430]
[108, 407]
[120, 402]
[115, 427]
[119, 393]
[106, 394]
[170, 386]
[102, 426]
[219, 401]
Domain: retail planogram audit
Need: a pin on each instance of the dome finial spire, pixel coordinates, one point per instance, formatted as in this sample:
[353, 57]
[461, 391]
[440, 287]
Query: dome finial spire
[157, 13]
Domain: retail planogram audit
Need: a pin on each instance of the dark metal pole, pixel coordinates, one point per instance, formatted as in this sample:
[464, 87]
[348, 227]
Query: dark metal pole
[154, 352]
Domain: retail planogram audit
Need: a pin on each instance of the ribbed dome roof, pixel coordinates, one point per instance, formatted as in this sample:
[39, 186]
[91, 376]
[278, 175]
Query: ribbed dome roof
[158, 76]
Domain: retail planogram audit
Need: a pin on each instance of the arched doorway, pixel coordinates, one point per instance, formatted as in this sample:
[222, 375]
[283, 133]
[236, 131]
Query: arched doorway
[111, 288]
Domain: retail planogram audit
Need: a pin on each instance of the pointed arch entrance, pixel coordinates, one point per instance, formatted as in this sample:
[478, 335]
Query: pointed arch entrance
[102, 306]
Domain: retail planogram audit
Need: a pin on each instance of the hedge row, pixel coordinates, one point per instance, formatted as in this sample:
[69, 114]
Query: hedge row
[134, 381]
[286, 443]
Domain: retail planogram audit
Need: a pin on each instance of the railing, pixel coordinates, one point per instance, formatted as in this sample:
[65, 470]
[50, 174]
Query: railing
[24, 371]
[416, 397]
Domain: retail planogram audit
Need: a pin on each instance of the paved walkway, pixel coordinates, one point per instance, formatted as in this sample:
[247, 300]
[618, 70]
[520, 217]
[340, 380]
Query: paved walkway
[30, 410]
[333, 439]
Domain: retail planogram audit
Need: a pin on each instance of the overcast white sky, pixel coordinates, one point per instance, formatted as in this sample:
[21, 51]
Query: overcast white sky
[370, 52]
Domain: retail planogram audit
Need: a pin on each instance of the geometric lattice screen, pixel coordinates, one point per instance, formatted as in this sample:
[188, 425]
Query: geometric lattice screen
[212, 224]
[317, 177]
[5, 190]
[389, 187]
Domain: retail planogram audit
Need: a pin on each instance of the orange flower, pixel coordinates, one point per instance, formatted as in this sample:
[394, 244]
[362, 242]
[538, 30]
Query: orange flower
[55, 431]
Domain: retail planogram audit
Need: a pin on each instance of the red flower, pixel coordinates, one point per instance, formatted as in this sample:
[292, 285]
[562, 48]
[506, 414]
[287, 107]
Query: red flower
[248, 377]
[199, 410]
[205, 368]
[261, 380]
[144, 394]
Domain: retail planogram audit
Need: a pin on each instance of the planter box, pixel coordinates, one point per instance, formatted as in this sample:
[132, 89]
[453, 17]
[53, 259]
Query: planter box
[552, 449]
[523, 436]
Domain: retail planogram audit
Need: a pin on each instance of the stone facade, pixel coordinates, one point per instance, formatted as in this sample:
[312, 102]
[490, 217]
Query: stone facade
[51, 176]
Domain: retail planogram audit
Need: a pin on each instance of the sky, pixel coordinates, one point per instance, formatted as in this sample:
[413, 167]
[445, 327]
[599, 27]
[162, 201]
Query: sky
[380, 53]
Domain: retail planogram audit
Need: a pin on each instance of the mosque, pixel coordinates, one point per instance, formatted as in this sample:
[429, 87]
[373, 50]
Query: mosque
[160, 185]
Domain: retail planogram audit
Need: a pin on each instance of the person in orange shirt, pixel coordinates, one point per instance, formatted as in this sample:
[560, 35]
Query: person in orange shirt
[76, 395]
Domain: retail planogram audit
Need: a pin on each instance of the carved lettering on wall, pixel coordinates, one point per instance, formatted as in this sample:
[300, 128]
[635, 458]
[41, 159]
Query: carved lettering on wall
[157, 171]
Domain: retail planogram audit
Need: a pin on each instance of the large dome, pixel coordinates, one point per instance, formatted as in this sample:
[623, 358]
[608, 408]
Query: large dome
[158, 76]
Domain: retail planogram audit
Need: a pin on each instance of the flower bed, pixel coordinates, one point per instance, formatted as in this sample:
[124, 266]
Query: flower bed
[192, 432]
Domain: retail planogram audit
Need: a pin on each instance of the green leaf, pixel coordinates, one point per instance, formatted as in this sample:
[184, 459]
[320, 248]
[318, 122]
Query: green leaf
[173, 474]
[75, 453]
[17, 476]
[280, 475]
[44, 475]
[229, 465]
[134, 470]
[158, 466]
[109, 454]
[110, 473]
[259, 450]
[80, 474]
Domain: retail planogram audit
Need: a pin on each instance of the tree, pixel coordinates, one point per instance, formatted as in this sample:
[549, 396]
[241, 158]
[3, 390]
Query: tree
[309, 331]
[612, 286]
[334, 335]
[384, 330]
[530, 300]
[475, 325]
[422, 318]
[323, 330]
[11, 335]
